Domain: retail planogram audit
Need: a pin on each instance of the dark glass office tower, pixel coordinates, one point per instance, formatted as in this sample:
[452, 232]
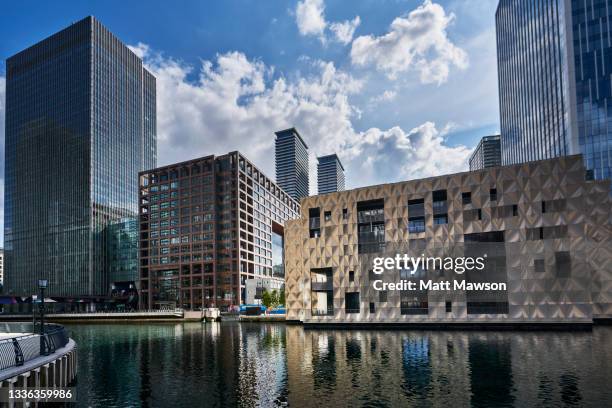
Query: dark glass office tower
[330, 174]
[292, 163]
[80, 125]
[487, 153]
[554, 68]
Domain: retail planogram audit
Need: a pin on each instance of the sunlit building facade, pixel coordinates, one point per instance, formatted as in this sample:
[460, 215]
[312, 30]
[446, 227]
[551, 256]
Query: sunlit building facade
[80, 125]
[544, 233]
[206, 226]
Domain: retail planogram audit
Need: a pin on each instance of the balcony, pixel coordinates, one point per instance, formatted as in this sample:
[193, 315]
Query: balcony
[371, 216]
[328, 312]
[321, 286]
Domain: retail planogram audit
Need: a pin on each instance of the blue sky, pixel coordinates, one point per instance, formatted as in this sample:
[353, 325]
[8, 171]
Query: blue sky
[400, 89]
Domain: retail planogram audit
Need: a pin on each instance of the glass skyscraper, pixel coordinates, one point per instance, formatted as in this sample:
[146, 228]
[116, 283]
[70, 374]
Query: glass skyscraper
[292, 163]
[555, 88]
[330, 174]
[80, 125]
[487, 153]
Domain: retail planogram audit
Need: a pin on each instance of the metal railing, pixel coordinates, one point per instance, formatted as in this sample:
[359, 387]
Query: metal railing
[15, 351]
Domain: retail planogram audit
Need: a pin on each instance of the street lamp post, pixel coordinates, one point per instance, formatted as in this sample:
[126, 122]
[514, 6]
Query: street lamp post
[42, 285]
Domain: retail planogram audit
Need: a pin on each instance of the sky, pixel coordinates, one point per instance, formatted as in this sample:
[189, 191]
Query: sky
[398, 89]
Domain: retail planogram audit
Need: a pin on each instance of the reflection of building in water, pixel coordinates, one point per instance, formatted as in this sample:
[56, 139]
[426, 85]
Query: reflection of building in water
[437, 368]
[544, 228]
[376, 367]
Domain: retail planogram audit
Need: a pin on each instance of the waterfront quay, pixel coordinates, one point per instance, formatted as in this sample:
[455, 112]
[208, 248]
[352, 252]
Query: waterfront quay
[29, 359]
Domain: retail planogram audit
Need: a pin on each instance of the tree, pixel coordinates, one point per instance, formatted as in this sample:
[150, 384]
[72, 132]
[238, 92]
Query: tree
[281, 297]
[266, 298]
[274, 298]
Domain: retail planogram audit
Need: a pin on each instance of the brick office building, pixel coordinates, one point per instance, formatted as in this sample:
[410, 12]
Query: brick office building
[206, 226]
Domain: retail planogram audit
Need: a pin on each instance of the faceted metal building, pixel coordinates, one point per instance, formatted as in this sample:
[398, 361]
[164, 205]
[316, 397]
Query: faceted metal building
[206, 226]
[555, 87]
[292, 163]
[487, 153]
[544, 230]
[330, 174]
[80, 125]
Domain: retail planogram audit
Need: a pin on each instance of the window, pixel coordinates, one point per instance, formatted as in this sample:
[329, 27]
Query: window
[314, 222]
[493, 194]
[351, 276]
[539, 265]
[372, 307]
[416, 224]
[543, 207]
[382, 296]
[345, 213]
[466, 198]
[514, 210]
[351, 301]
[416, 215]
[327, 215]
[414, 306]
[440, 219]
[371, 226]
[563, 264]
[449, 306]
[479, 214]
[487, 307]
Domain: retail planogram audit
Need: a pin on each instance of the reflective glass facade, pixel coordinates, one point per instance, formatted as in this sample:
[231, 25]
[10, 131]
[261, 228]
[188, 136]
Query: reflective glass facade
[80, 125]
[292, 163]
[592, 45]
[330, 174]
[554, 68]
[487, 153]
[533, 71]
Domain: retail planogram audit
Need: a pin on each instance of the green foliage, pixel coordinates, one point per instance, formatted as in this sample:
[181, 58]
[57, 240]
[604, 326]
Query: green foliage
[266, 298]
[274, 298]
[281, 297]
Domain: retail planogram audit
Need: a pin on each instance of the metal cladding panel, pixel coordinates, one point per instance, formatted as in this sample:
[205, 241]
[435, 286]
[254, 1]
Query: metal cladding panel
[575, 221]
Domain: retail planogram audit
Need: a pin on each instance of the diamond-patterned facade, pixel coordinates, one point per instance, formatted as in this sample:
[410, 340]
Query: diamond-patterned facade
[555, 255]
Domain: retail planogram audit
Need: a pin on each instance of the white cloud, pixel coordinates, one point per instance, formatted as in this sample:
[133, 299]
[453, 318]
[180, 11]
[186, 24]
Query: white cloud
[344, 31]
[417, 41]
[386, 96]
[310, 19]
[237, 104]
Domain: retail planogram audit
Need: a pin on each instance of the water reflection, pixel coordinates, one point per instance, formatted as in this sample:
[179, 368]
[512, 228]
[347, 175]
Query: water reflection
[250, 365]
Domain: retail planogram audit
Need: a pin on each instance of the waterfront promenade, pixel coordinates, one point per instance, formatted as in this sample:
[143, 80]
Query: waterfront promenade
[29, 359]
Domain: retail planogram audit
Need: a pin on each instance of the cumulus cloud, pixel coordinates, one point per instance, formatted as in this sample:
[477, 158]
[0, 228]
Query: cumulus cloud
[237, 104]
[417, 41]
[310, 19]
[345, 30]
[395, 155]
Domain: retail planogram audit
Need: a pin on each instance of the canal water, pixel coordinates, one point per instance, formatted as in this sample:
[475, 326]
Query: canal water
[254, 364]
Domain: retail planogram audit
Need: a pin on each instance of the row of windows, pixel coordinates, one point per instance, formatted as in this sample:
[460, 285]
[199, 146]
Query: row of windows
[415, 306]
